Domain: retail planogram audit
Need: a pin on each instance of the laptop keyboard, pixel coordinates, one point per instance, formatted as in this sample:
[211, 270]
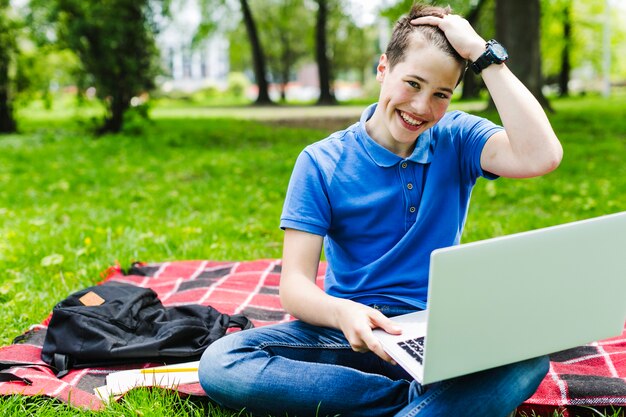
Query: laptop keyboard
[414, 347]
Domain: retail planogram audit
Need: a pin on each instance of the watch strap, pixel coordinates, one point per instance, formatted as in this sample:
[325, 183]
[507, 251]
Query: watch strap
[481, 63]
[487, 58]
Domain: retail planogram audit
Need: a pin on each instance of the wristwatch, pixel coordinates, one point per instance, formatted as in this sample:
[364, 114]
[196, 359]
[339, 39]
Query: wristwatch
[494, 54]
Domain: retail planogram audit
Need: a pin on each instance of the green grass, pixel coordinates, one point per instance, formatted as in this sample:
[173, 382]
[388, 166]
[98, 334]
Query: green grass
[71, 205]
[204, 188]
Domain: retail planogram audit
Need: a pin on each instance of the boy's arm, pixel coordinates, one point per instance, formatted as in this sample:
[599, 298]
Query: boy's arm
[528, 146]
[303, 299]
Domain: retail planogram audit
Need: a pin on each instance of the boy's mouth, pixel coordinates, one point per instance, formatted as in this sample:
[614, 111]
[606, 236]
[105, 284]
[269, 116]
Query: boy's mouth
[409, 120]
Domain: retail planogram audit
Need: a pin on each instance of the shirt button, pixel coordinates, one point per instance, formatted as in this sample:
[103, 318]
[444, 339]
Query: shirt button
[412, 209]
[409, 186]
[404, 165]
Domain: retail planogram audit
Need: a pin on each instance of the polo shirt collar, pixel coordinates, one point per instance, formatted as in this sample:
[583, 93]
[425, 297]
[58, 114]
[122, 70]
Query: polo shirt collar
[422, 154]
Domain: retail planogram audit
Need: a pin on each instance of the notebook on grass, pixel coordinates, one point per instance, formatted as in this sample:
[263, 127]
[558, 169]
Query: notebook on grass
[511, 298]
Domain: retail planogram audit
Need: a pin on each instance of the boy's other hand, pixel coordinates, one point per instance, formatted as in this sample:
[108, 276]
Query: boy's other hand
[356, 321]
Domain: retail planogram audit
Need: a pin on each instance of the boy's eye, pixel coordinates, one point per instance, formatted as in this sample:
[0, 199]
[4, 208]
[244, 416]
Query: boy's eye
[413, 84]
[441, 95]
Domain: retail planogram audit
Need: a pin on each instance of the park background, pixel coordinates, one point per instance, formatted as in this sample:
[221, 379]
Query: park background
[156, 130]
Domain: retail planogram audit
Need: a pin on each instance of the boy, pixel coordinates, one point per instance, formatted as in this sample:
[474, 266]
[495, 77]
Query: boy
[379, 197]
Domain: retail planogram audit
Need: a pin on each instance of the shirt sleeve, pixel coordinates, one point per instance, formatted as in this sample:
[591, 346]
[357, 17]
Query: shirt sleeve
[306, 206]
[470, 136]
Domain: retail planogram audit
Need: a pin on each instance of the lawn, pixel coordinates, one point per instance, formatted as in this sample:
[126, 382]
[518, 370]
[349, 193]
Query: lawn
[209, 188]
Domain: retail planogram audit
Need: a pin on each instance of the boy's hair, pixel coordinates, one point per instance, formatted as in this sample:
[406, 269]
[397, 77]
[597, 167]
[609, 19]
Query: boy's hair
[404, 30]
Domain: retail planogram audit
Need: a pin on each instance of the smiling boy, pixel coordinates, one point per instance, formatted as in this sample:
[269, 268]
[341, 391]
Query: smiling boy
[379, 197]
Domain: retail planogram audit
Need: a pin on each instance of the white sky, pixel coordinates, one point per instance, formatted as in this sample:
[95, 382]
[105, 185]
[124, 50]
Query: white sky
[366, 11]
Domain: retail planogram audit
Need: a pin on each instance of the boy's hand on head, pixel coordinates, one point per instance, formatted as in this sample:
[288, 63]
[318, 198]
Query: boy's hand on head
[461, 35]
[356, 321]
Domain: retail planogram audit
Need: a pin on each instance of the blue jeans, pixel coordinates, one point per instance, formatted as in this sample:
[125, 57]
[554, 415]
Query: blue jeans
[302, 370]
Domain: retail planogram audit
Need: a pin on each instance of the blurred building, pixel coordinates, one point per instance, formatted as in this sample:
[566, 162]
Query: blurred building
[190, 67]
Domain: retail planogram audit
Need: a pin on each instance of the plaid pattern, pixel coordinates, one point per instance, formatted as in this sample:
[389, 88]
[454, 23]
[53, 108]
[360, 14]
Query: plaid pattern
[592, 375]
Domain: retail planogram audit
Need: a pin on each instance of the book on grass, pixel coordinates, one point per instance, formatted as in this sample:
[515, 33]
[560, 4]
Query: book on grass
[168, 376]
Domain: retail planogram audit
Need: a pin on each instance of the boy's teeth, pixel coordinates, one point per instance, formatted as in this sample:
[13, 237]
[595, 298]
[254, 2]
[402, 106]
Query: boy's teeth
[409, 119]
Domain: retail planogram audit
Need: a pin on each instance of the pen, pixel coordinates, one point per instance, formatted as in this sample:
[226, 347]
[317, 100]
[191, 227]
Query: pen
[167, 370]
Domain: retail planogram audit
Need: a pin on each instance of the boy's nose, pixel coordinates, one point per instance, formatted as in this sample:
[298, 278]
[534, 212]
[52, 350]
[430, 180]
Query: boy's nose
[421, 105]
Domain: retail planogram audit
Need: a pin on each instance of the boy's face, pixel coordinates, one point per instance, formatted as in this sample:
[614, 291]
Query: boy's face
[414, 95]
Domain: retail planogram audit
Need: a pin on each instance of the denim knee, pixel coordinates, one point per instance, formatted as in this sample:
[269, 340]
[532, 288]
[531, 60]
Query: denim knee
[493, 392]
[534, 371]
[213, 368]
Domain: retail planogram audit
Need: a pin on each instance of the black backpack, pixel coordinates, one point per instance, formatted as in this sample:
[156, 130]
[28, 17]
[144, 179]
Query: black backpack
[117, 323]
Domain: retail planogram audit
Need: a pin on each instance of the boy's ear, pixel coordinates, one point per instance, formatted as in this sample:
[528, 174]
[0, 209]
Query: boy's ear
[382, 68]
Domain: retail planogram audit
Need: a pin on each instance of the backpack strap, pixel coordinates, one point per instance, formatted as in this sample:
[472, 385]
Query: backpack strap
[4, 365]
[9, 377]
[240, 321]
[61, 363]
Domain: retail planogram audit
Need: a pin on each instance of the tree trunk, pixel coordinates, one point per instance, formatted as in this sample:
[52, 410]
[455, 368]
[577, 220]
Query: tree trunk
[284, 80]
[471, 82]
[285, 65]
[565, 54]
[258, 57]
[323, 63]
[115, 121]
[7, 122]
[517, 28]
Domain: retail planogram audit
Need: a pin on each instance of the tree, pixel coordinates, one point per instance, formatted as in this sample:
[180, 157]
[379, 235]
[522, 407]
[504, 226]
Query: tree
[321, 55]
[285, 26]
[115, 42]
[521, 36]
[347, 60]
[7, 49]
[258, 60]
[566, 52]
[572, 44]
[210, 22]
[557, 44]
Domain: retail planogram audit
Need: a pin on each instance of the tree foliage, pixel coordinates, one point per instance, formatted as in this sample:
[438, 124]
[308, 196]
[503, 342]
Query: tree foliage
[42, 70]
[572, 36]
[115, 41]
[354, 48]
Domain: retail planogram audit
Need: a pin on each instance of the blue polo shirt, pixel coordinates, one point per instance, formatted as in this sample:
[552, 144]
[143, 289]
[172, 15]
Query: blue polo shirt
[381, 215]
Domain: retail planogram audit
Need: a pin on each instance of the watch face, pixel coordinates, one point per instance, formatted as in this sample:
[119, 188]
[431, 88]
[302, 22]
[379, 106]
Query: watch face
[498, 51]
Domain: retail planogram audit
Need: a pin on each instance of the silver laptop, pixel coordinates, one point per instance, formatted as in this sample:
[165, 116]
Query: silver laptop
[516, 297]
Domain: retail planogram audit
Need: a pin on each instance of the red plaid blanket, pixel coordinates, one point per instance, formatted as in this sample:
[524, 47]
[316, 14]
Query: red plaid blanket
[593, 375]
[583, 379]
